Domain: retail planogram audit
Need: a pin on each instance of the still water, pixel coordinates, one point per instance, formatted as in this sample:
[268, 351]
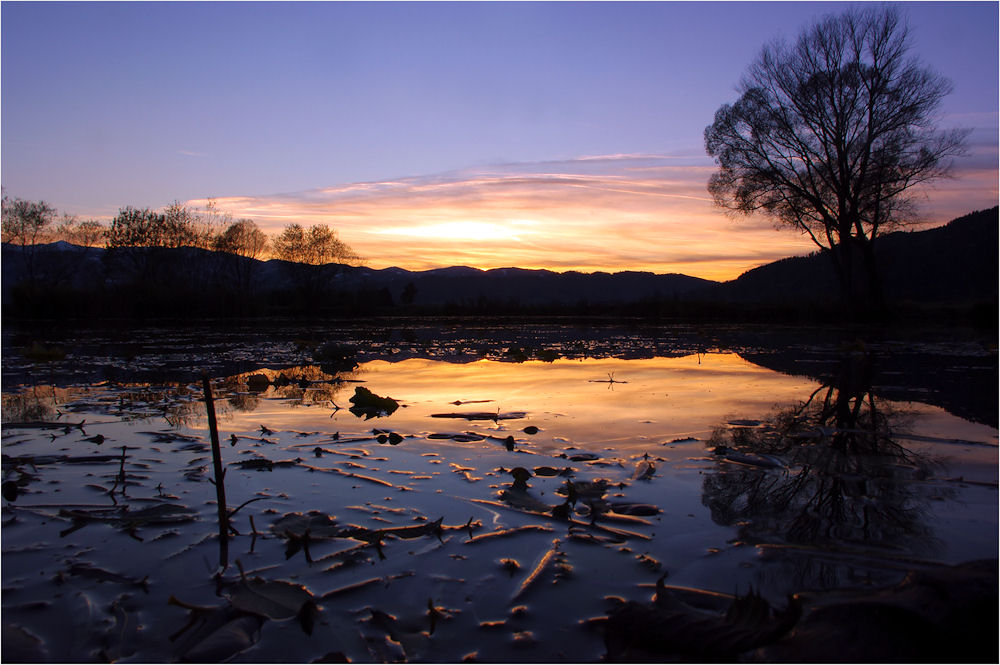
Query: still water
[498, 511]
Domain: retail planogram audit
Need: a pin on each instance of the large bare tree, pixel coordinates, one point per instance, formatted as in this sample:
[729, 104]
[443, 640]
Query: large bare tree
[832, 135]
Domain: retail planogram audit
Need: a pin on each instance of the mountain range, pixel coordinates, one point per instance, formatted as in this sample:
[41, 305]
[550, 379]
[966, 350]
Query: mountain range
[955, 264]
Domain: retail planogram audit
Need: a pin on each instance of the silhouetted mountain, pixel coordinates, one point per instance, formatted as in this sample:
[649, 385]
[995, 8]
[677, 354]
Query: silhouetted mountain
[953, 265]
[517, 286]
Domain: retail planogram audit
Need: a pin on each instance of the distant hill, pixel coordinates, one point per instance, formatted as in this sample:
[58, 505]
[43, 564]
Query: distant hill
[517, 286]
[953, 265]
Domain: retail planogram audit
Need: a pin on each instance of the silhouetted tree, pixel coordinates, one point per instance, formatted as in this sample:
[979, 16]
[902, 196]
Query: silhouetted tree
[137, 240]
[317, 246]
[310, 255]
[133, 227]
[26, 223]
[242, 238]
[242, 243]
[86, 233]
[831, 135]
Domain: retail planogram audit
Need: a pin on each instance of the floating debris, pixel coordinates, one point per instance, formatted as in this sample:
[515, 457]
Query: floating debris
[392, 438]
[548, 471]
[669, 629]
[464, 437]
[503, 533]
[639, 509]
[123, 518]
[257, 463]
[483, 415]
[219, 633]
[644, 470]
[93, 572]
[274, 599]
[314, 524]
[368, 404]
[548, 559]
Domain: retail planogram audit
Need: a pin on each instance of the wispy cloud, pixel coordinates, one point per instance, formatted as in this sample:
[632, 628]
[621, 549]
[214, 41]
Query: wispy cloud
[597, 212]
[191, 153]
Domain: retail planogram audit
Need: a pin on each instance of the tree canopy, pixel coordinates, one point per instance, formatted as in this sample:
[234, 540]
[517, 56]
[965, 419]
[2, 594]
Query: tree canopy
[242, 238]
[832, 135]
[26, 222]
[317, 246]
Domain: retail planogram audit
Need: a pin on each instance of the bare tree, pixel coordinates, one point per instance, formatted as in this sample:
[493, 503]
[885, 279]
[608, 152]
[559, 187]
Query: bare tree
[86, 233]
[206, 224]
[831, 136]
[242, 238]
[137, 240]
[317, 246]
[26, 224]
[313, 257]
[241, 244]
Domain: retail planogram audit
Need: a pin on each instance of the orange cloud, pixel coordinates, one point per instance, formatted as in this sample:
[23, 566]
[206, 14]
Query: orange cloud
[610, 213]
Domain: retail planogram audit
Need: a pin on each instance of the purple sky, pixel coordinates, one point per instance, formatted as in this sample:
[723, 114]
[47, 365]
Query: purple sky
[113, 104]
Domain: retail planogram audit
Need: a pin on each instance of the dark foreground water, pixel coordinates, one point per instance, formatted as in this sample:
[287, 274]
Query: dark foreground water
[520, 498]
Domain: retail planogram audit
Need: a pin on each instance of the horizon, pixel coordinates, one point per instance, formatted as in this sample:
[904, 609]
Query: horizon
[532, 135]
[365, 264]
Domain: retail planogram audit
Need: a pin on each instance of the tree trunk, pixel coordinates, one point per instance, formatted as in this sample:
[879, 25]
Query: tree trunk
[875, 295]
[860, 279]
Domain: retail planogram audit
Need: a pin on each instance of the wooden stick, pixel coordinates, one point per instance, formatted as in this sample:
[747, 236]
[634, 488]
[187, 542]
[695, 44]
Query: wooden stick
[220, 473]
[119, 478]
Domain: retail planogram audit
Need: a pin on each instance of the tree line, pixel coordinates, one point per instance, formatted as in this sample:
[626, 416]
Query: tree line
[28, 223]
[159, 263]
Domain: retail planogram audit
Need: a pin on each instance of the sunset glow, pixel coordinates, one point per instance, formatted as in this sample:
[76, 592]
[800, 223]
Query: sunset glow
[619, 212]
[615, 213]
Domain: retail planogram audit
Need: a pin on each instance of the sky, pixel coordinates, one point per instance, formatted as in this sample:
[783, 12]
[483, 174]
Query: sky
[540, 135]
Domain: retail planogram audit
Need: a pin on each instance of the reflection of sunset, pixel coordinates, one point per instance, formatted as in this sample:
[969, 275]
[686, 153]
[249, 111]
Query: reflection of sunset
[661, 399]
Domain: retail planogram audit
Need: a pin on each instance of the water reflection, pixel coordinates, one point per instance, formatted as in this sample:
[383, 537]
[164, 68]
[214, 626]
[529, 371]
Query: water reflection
[33, 404]
[655, 400]
[827, 473]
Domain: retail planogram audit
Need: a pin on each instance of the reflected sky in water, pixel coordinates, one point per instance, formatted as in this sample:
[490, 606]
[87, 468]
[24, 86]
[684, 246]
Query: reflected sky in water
[651, 400]
[712, 521]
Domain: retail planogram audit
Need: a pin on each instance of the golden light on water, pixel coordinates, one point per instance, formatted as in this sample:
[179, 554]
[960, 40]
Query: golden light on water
[651, 401]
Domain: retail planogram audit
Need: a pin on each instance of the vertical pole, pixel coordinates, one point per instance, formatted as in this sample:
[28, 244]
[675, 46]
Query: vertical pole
[220, 473]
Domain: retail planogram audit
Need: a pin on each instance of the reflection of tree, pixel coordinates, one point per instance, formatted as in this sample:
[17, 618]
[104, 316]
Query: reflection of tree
[846, 485]
[307, 384]
[34, 404]
[176, 403]
[244, 402]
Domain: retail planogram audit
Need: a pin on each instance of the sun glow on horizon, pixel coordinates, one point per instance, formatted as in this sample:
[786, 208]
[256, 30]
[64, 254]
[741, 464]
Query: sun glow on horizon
[646, 213]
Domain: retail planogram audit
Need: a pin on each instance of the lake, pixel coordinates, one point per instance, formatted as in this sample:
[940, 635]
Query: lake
[476, 490]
